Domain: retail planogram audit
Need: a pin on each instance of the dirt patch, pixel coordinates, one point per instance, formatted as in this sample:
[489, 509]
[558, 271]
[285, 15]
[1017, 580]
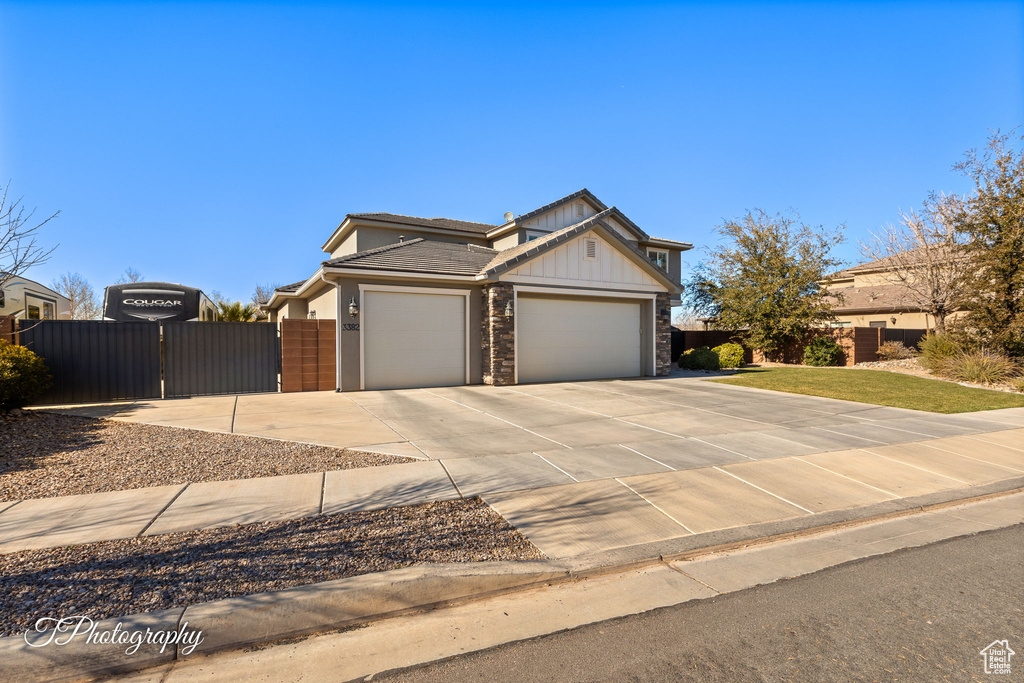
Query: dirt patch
[117, 578]
[43, 455]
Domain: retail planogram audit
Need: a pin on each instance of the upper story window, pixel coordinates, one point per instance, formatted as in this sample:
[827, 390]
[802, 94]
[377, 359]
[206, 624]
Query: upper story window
[534, 234]
[658, 258]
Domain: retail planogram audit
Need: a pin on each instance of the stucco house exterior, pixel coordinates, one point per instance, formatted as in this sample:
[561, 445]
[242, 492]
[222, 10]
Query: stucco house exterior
[26, 299]
[867, 295]
[571, 290]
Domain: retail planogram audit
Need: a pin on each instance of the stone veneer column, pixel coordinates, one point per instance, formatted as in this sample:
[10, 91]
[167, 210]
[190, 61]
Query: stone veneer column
[499, 351]
[663, 338]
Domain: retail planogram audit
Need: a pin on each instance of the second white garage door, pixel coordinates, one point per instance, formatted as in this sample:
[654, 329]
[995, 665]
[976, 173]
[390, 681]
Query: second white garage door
[569, 339]
[413, 340]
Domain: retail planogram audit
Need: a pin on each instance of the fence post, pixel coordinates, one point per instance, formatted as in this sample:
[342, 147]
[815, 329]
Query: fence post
[8, 329]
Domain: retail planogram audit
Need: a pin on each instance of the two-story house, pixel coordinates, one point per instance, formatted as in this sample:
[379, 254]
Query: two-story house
[571, 290]
[873, 295]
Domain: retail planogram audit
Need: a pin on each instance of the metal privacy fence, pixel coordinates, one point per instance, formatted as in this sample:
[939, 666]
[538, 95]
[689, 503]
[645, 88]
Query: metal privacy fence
[908, 337]
[94, 360]
[108, 361]
[220, 358]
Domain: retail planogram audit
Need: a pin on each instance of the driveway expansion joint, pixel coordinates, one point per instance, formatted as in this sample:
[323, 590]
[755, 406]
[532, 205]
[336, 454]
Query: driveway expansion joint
[163, 510]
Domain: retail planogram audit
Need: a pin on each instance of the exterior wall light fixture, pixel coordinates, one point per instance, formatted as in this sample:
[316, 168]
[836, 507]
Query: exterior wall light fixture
[353, 308]
[508, 309]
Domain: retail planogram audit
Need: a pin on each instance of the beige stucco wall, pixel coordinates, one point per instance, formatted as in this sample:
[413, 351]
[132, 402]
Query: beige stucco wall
[913, 320]
[365, 237]
[292, 308]
[323, 304]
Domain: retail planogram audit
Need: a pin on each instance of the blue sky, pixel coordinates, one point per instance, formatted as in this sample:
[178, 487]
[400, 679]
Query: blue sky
[218, 145]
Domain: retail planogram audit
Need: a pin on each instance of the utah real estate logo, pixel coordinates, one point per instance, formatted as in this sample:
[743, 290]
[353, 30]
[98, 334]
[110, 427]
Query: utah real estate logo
[997, 657]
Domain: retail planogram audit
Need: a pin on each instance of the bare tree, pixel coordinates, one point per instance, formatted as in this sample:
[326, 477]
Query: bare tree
[262, 293]
[84, 304]
[924, 255]
[217, 298]
[687, 320]
[130, 275]
[19, 250]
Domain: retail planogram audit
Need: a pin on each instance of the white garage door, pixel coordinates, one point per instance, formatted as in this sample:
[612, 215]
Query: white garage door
[567, 339]
[413, 340]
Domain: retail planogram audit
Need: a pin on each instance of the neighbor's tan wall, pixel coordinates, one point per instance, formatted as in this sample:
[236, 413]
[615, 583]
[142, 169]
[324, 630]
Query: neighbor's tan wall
[910, 320]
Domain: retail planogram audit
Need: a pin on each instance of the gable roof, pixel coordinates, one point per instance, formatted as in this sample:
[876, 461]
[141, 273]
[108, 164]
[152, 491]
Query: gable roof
[584, 193]
[438, 223]
[579, 194]
[513, 256]
[419, 256]
[903, 259]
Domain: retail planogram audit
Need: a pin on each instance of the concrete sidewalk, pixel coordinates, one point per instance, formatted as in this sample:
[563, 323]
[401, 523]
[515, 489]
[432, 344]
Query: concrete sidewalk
[363, 653]
[568, 502]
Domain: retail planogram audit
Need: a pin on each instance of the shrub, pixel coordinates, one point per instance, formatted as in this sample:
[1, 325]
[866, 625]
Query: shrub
[980, 367]
[936, 350]
[23, 376]
[730, 355]
[823, 351]
[894, 350]
[1018, 384]
[699, 359]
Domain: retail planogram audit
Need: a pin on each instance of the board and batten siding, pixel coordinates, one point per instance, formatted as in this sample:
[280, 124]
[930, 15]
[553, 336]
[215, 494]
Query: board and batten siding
[567, 266]
[565, 215]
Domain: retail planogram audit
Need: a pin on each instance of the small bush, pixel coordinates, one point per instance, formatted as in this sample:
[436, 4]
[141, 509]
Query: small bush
[23, 376]
[699, 359]
[936, 350]
[823, 351]
[894, 350]
[1018, 385]
[980, 367]
[730, 355]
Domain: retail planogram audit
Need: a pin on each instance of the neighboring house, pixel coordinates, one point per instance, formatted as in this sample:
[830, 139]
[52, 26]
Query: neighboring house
[28, 300]
[572, 290]
[866, 296]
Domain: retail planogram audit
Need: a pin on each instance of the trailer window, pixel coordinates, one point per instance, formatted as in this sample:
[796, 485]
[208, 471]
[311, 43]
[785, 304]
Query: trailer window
[32, 312]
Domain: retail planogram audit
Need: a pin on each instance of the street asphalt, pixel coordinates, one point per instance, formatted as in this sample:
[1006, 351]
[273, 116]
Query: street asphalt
[920, 614]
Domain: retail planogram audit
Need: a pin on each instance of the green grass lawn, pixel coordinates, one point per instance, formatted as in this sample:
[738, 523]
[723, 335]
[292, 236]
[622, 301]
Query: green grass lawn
[876, 386]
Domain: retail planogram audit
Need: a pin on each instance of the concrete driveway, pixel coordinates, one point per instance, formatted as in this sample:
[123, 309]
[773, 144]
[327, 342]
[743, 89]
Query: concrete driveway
[588, 466]
[589, 430]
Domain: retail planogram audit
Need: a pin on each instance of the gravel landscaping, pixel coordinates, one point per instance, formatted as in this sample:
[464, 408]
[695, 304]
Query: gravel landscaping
[116, 578]
[43, 455]
[912, 366]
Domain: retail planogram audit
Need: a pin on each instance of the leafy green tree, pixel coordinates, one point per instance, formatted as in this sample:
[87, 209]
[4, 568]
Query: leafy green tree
[236, 311]
[993, 220]
[765, 279]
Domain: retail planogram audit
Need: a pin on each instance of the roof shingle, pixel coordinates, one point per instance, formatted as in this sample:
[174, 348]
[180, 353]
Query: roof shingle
[440, 223]
[419, 256]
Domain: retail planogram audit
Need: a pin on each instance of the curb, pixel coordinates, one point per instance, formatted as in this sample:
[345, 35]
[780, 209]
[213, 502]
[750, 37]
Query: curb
[343, 603]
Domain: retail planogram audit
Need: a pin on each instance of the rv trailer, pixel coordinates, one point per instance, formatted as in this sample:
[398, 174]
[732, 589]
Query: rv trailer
[163, 301]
